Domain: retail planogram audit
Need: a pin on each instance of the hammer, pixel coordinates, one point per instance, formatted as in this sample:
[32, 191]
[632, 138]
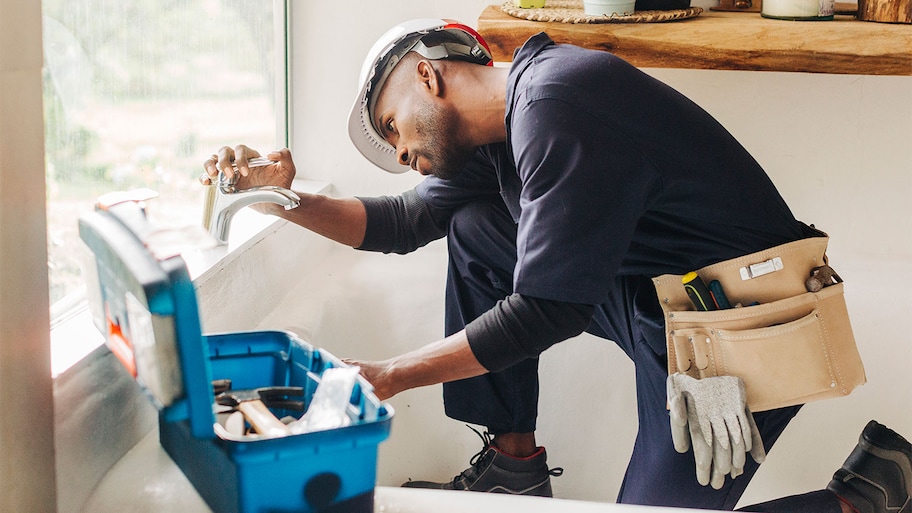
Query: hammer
[821, 277]
[250, 403]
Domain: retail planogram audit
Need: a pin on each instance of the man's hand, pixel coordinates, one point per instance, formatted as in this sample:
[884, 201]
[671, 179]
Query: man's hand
[279, 174]
[712, 414]
[379, 375]
[446, 360]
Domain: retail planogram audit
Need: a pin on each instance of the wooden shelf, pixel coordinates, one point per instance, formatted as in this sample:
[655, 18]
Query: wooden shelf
[724, 40]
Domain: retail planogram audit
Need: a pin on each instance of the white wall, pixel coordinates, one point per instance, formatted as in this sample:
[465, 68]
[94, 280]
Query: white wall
[27, 481]
[839, 149]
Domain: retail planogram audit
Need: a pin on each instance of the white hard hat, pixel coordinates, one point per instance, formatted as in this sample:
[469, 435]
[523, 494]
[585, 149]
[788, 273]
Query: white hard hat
[432, 39]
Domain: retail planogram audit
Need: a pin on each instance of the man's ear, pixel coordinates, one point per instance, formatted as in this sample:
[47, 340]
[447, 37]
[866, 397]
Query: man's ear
[430, 78]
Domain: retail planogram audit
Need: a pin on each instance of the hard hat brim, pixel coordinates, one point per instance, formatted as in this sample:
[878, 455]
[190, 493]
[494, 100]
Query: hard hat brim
[368, 141]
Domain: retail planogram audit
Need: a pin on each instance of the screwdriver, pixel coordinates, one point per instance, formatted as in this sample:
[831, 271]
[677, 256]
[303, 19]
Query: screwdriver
[718, 295]
[698, 292]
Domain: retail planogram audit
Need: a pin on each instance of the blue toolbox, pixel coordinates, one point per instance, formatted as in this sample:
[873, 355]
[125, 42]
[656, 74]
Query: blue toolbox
[145, 304]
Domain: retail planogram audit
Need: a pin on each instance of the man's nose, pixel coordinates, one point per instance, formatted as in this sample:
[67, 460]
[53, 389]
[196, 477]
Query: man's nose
[402, 155]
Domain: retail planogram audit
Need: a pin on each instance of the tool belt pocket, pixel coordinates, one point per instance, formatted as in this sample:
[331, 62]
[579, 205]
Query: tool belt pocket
[790, 346]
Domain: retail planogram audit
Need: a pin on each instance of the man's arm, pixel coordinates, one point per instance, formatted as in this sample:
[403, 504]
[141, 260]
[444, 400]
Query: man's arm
[446, 360]
[401, 224]
[517, 328]
[342, 220]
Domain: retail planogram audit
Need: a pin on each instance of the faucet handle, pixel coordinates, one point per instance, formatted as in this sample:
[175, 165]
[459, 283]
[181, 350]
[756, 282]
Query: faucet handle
[225, 181]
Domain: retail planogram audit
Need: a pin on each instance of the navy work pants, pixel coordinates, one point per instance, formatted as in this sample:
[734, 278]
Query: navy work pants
[482, 256]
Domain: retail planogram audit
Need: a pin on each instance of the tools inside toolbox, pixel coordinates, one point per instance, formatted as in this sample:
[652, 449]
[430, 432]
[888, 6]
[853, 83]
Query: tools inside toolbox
[330, 407]
[255, 406]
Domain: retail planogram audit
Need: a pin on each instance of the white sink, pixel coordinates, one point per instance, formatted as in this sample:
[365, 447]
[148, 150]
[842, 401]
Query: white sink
[145, 480]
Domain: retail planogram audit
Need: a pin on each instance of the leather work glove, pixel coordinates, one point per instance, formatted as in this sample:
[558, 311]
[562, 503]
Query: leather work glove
[712, 414]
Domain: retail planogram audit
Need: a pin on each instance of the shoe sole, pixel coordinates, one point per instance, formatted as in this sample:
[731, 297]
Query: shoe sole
[542, 489]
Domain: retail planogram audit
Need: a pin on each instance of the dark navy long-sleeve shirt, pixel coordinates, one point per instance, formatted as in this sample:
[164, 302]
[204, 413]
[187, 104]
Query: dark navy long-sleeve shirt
[607, 172]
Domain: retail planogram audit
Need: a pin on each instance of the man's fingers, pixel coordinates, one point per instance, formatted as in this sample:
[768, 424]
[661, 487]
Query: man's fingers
[283, 156]
[242, 154]
[210, 168]
[225, 158]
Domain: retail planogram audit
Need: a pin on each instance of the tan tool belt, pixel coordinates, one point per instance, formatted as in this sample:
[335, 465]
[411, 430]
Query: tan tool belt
[793, 347]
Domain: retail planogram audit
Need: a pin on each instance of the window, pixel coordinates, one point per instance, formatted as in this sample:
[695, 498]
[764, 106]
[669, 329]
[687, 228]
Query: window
[137, 94]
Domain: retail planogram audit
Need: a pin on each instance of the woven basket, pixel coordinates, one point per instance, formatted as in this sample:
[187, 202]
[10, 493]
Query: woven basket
[571, 11]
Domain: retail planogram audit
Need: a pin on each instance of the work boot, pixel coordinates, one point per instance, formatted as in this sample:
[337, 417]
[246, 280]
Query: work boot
[877, 476]
[497, 472]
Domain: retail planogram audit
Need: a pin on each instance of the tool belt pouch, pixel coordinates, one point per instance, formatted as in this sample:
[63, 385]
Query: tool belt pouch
[793, 347]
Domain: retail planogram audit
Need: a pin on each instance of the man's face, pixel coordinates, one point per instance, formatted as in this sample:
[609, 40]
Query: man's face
[423, 129]
[446, 156]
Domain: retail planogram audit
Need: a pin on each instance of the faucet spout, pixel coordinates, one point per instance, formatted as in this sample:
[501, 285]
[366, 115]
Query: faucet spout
[223, 201]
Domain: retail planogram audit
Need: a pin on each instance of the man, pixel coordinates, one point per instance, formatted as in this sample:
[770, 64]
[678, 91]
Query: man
[563, 185]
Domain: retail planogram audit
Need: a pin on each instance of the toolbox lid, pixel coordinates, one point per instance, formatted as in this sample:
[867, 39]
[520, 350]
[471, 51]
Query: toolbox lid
[145, 305]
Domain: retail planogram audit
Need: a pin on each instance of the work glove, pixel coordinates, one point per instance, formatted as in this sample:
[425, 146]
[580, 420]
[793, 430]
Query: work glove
[712, 415]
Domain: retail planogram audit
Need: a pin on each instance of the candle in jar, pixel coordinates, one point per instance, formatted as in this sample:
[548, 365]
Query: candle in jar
[798, 9]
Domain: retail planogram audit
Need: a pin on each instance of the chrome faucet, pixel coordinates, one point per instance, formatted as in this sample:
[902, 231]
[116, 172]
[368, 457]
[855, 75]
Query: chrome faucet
[223, 200]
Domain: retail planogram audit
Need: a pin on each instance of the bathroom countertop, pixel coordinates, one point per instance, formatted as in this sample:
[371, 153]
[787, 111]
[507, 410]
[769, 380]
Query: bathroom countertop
[146, 480]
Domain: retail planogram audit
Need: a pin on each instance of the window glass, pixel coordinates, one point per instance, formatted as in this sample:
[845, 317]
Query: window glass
[138, 93]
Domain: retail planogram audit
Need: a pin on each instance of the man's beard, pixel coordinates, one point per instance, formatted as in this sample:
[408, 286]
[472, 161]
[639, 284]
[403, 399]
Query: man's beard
[444, 151]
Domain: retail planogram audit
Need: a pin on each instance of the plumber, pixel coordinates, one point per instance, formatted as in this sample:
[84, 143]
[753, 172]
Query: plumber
[563, 184]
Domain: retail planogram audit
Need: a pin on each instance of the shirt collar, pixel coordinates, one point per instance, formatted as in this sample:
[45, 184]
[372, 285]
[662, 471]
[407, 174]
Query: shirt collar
[522, 58]
[532, 46]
